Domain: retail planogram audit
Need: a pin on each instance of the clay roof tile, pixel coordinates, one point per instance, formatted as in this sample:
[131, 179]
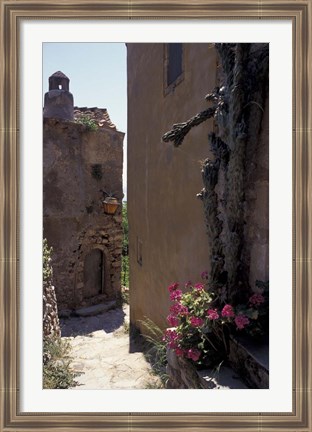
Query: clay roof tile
[100, 115]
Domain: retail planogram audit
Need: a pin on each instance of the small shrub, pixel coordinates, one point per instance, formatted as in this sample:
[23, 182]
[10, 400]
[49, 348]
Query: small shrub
[126, 326]
[156, 352]
[125, 229]
[125, 271]
[57, 371]
[88, 122]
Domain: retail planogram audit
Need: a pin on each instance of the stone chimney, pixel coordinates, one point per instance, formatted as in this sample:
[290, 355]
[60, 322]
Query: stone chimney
[58, 101]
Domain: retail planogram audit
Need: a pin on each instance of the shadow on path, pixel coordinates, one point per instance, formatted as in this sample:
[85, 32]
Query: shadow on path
[82, 326]
[100, 353]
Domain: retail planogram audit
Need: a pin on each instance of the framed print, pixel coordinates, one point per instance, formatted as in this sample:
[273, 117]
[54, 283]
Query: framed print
[155, 34]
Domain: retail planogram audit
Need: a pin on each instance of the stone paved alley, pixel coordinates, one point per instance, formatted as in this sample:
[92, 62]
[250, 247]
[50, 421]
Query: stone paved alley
[100, 350]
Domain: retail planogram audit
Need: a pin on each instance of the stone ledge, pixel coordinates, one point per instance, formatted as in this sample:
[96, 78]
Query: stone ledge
[184, 375]
[96, 309]
[251, 361]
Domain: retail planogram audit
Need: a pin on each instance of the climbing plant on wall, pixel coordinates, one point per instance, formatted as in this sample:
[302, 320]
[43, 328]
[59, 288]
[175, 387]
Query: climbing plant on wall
[237, 109]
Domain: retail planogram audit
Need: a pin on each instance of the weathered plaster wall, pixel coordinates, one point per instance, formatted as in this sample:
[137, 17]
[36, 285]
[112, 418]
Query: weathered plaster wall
[164, 213]
[167, 237]
[77, 164]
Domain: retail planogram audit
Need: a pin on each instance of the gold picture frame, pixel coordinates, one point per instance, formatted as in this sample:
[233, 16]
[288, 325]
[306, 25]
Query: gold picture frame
[12, 13]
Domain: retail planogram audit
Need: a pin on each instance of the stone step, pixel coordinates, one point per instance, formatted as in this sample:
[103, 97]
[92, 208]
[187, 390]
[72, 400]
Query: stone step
[221, 378]
[250, 360]
[96, 309]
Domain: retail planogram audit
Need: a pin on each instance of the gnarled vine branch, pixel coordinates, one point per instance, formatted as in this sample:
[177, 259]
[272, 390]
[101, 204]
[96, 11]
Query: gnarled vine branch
[237, 114]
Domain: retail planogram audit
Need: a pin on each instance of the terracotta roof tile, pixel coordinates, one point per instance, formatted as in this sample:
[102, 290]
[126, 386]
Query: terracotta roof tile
[100, 115]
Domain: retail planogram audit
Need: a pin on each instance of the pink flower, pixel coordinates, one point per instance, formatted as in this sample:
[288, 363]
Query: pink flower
[193, 354]
[178, 309]
[204, 275]
[199, 286]
[172, 344]
[179, 352]
[196, 321]
[188, 284]
[184, 311]
[172, 320]
[173, 287]
[241, 321]
[256, 299]
[212, 314]
[228, 311]
[171, 337]
[176, 295]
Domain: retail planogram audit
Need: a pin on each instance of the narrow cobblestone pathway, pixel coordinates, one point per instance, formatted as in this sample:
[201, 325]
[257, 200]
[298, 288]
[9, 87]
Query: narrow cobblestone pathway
[100, 350]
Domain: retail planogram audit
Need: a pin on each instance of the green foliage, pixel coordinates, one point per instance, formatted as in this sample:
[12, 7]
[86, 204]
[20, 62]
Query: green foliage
[57, 371]
[47, 268]
[125, 271]
[156, 353]
[88, 122]
[125, 248]
[125, 294]
[125, 229]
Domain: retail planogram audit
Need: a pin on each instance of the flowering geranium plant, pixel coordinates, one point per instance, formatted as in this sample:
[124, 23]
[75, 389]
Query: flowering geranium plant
[200, 320]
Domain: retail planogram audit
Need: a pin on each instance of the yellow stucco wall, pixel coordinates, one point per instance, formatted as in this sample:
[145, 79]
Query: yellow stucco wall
[164, 213]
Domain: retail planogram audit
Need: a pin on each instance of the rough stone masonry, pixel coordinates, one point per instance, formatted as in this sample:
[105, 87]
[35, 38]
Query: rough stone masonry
[79, 163]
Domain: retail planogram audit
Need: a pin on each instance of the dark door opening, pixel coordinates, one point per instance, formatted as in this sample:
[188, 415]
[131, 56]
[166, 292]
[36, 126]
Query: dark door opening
[93, 273]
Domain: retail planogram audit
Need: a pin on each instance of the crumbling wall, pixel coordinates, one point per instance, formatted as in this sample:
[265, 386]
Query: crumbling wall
[51, 324]
[78, 164]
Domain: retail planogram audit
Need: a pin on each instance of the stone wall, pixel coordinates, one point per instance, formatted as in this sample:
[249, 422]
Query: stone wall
[256, 235]
[242, 370]
[51, 324]
[78, 164]
[181, 373]
[248, 365]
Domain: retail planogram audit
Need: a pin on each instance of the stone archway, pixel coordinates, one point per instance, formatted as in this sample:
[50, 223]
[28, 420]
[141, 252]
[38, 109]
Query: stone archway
[95, 274]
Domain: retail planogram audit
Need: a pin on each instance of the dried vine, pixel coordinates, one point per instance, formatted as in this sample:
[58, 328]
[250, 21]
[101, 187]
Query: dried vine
[237, 111]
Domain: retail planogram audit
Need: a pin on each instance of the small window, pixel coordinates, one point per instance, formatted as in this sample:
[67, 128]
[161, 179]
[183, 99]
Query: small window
[174, 69]
[173, 66]
[60, 87]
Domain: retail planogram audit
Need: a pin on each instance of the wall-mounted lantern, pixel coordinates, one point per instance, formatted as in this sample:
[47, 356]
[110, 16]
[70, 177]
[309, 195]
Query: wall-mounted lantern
[110, 203]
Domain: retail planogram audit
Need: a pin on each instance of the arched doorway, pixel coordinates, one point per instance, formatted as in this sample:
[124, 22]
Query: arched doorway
[94, 277]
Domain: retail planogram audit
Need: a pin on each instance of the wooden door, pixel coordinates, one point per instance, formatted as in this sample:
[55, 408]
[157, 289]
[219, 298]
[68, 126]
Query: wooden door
[93, 273]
